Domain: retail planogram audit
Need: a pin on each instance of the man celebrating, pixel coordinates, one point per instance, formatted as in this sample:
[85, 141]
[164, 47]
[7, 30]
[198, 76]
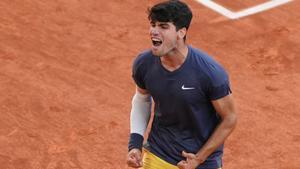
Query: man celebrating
[194, 111]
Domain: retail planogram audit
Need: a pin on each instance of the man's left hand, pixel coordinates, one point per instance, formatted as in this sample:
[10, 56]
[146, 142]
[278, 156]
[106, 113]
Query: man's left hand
[191, 161]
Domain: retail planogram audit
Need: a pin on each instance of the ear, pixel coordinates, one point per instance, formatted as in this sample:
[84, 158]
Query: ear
[181, 33]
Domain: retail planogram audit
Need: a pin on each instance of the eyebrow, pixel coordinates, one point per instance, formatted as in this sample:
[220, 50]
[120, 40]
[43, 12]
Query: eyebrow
[163, 24]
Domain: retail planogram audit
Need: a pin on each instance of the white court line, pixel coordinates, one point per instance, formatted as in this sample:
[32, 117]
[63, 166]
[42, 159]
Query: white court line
[246, 12]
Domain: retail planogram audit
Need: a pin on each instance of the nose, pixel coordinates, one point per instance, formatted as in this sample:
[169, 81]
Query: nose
[154, 31]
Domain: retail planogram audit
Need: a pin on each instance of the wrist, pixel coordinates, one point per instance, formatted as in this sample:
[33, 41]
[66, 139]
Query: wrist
[135, 141]
[200, 158]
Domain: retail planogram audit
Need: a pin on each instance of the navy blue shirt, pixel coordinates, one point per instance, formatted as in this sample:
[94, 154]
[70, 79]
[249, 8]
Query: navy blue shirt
[184, 117]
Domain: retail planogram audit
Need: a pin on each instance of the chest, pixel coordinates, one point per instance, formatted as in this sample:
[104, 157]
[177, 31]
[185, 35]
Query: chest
[187, 85]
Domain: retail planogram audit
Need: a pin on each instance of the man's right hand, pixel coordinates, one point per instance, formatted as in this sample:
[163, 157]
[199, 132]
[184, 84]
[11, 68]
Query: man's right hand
[134, 158]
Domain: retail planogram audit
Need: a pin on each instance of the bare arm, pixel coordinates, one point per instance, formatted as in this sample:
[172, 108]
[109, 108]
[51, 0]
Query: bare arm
[226, 109]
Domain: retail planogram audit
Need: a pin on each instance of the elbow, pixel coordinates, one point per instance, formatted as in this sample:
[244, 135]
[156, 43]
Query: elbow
[231, 121]
[234, 120]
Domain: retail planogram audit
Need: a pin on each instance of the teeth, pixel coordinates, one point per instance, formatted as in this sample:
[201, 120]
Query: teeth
[155, 39]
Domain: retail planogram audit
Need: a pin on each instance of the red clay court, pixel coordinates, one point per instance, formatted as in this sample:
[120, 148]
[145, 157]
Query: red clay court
[66, 87]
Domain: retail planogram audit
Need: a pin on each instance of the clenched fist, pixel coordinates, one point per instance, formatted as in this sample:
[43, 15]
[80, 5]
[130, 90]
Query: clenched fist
[134, 158]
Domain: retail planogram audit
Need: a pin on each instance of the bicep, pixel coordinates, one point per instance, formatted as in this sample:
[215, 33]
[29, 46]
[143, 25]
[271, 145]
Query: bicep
[225, 106]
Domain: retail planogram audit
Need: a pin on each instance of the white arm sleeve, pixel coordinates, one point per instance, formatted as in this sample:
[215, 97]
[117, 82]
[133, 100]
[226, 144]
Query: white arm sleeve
[140, 113]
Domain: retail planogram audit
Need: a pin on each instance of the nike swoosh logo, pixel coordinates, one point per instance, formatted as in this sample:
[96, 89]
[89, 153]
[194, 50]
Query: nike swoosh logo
[187, 88]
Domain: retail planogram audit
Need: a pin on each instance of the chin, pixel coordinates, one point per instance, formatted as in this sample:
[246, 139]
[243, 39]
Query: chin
[156, 53]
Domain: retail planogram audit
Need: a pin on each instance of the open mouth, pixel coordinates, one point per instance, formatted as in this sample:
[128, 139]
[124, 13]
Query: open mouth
[156, 42]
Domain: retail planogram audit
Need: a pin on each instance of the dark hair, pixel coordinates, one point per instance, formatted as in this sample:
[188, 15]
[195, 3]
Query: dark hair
[173, 11]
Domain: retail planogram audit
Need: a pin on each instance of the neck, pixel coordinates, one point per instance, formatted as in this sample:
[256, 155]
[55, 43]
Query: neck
[175, 58]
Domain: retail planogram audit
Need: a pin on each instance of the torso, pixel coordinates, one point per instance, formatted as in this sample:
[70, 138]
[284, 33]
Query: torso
[184, 116]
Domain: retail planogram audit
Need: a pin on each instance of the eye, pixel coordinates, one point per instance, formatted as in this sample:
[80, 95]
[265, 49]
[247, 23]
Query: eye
[152, 24]
[164, 26]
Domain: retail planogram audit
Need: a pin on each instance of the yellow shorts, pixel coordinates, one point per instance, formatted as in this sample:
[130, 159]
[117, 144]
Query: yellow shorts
[151, 161]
